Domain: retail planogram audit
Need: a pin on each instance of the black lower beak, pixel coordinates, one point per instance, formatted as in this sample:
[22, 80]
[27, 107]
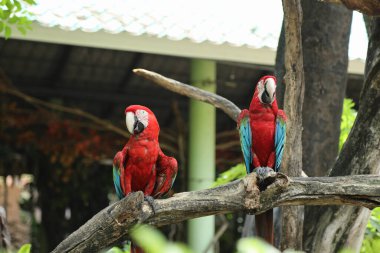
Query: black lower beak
[265, 98]
[138, 127]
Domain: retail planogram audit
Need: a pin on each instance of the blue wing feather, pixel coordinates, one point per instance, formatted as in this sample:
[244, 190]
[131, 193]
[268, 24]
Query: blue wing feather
[116, 174]
[279, 141]
[116, 181]
[246, 142]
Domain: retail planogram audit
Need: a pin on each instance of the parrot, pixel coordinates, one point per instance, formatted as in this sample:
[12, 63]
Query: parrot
[141, 165]
[262, 131]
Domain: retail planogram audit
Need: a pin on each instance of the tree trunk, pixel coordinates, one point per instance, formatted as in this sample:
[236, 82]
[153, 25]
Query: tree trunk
[279, 68]
[359, 156]
[292, 217]
[325, 37]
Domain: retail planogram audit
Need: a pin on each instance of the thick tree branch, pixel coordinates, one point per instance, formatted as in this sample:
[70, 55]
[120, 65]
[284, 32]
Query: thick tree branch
[113, 223]
[369, 7]
[292, 217]
[192, 92]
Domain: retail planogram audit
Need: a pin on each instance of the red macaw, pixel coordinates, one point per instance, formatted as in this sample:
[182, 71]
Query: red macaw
[262, 131]
[141, 165]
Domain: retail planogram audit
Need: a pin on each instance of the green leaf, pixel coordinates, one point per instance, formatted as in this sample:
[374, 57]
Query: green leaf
[347, 120]
[248, 245]
[6, 14]
[149, 239]
[7, 32]
[25, 248]
[22, 30]
[31, 2]
[176, 248]
[115, 250]
[229, 175]
[346, 250]
[1, 27]
[17, 4]
[13, 20]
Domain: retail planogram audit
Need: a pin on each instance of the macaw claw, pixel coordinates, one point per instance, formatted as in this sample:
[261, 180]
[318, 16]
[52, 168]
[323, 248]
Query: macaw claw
[266, 176]
[150, 201]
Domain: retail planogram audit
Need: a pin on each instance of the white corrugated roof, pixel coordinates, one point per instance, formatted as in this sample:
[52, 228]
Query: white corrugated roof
[236, 22]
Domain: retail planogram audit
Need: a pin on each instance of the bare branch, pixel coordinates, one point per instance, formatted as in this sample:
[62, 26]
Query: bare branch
[192, 92]
[74, 111]
[113, 223]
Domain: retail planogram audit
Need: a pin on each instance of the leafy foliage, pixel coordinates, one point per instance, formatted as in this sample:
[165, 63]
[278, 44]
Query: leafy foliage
[247, 245]
[347, 121]
[371, 242]
[231, 174]
[25, 248]
[152, 241]
[14, 13]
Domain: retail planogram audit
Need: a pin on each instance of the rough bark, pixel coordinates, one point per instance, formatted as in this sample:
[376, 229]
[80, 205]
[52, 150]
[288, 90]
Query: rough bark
[292, 217]
[369, 7]
[114, 223]
[280, 68]
[359, 156]
[280, 93]
[325, 37]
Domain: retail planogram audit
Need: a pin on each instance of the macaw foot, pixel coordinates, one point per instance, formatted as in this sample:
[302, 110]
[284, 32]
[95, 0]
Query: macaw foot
[266, 176]
[150, 201]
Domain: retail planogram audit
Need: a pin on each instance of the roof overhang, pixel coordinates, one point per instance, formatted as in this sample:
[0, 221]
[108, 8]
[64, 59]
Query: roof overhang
[149, 44]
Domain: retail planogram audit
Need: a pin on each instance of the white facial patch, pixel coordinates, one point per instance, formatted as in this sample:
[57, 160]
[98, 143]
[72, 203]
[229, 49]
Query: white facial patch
[260, 89]
[142, 116]
[130, 121]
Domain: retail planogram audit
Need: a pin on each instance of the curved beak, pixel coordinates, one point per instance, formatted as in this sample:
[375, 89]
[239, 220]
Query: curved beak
[269, 93]
[130, 121]
[134, 126]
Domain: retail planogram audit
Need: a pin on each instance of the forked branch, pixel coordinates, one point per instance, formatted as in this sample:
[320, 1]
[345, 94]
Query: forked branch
[114, 223]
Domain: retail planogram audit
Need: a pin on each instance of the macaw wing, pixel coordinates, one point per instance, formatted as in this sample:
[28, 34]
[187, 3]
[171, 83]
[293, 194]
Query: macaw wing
[280, 138]
[117, 173]
[245, 133]
[167, 168]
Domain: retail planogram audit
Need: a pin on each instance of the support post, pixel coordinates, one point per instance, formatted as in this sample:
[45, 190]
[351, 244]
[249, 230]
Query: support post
[202, 150]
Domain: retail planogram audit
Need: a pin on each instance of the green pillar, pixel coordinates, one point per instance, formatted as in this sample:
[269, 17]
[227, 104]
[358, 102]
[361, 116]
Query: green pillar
[202, 150]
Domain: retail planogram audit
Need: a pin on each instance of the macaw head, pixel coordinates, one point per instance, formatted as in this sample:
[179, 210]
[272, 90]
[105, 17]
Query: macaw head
[266, 90]
[140, 119]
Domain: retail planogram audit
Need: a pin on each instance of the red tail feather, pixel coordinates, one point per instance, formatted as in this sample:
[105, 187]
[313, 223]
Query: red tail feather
[264, 226]
[136, 249]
